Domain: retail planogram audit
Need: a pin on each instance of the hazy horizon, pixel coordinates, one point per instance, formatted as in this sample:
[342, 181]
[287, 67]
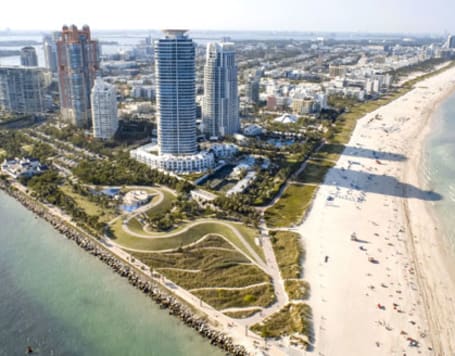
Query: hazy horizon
[330, 16]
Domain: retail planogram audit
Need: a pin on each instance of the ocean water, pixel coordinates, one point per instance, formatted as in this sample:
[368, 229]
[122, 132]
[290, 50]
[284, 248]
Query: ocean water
[60, 300]
[439, 165]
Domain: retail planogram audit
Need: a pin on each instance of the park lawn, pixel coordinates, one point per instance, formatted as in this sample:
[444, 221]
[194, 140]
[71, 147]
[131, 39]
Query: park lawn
[291, 319]
[90, 208]
[261, 296]
[250, 234]
[164, 206]
[135, 225]
[184, 238]
[288, 252]
[290, 208]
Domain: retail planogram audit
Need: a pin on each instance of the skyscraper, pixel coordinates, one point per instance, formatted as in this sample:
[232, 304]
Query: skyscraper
[50, 51]
[78, 61]
[22, 89]
[104, 109]
[28, 57]
[175, 93]
[252, 91]
[220, 111]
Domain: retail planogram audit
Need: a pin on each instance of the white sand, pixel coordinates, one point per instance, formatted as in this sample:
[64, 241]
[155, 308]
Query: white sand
[413, 271]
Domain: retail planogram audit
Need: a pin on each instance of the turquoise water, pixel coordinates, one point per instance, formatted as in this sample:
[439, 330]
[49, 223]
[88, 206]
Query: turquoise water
[439, 165]
[62, 301]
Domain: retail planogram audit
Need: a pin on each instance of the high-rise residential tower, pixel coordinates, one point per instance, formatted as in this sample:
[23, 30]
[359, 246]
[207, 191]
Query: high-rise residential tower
[50, 51]
[28, 57]
[175, 93]
[220, 110]
[78, 62]
[252, 91]
[104, 110]
[23, 89]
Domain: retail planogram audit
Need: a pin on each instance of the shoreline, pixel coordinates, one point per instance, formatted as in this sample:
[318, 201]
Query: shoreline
[430, 284]
[135, 277]
[377, 185]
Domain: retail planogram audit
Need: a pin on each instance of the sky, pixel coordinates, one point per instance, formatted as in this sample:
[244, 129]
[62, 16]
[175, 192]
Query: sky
[391, 16]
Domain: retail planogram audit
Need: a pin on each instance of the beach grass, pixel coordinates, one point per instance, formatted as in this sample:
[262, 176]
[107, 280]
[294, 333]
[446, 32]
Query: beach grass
[291, 319]
[314, 171]
[288, 252]
[242, 314]
[297, 289]
[290, 208]
[261, 296]
[220, 276]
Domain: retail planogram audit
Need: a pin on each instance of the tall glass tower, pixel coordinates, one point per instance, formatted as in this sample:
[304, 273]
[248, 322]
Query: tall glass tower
[175, 93]
[220, 110]
[78, 60]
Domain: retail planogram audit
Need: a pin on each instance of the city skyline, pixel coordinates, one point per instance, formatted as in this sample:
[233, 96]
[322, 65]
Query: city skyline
[291, 15]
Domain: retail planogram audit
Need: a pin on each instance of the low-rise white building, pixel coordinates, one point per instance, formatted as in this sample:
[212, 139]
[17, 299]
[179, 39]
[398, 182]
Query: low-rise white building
[198, 162]
[24, 167]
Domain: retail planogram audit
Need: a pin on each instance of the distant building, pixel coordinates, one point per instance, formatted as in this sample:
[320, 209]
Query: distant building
[451, 41]
[252, 91]
[28, 57]
[271, 102]
[253, 130]
[303, 105]
[23, 89]
[104, 110]
[337, 71]
[220, 110]
[78, 61]
[50, 51]
[286, 119]
[176, 93]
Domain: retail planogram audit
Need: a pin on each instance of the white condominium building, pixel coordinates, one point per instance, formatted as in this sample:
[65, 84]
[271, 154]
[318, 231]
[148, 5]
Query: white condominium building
[104, 110]
[175, 74]
[220, 110]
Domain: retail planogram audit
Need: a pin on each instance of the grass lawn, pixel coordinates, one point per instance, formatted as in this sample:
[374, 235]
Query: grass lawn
[262, 296]
[288, 252]
[291, 319]
[250, 234]
[164, 206]
[290, 208]
[297, 289]
[89, 207]
[184, 238]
